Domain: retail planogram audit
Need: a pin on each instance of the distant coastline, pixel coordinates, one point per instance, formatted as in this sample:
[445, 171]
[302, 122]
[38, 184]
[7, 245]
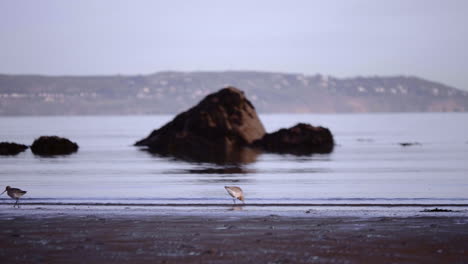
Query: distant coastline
[173, 92]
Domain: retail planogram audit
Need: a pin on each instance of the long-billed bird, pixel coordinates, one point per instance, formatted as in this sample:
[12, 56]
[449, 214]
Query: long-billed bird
[235, 192]
[14, 193]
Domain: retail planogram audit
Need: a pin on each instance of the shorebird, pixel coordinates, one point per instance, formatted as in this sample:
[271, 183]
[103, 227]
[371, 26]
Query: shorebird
[14, 193]
[235, 192]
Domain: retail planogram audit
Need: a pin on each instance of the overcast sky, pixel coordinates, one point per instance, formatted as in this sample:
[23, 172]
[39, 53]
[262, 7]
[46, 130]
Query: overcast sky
[345, 38]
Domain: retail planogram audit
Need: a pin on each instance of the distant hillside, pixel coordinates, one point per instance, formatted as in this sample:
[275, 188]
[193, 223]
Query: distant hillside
[172, 92]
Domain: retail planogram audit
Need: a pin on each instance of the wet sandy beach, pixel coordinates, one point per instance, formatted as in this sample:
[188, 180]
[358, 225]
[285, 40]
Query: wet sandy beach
[90, 236]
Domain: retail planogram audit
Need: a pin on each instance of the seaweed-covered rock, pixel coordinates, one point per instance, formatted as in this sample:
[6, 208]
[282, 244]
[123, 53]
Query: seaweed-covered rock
[10, 148]
[53, 145]
[301, 139]
[217, 128]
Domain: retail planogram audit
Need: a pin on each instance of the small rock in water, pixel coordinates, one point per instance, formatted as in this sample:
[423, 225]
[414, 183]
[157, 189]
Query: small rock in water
[408, 144]
[301, 139]
[10, 149]
[53, 145]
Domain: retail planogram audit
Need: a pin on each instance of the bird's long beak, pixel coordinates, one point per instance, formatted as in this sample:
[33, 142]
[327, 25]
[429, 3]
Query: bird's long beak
[2, 192]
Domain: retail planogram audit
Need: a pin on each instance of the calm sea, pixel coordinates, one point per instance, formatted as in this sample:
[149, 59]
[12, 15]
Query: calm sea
[367, 166]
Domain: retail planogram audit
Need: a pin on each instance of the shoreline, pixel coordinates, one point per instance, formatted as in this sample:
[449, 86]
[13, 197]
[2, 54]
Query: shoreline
[230, 210]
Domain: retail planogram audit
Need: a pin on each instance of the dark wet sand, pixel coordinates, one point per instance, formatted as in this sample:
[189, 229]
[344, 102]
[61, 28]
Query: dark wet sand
[218, 239]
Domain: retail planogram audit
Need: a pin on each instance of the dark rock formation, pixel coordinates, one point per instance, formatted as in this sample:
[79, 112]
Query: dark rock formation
[301, 139]
[53, 145]
[217, 129]
[8, 148]
[224, 128]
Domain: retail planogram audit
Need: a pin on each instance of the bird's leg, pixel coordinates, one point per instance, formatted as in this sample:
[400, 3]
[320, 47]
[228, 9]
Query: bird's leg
[234, 199]
[15, 203]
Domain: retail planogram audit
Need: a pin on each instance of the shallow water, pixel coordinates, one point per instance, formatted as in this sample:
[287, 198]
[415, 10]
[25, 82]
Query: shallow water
[367, 166]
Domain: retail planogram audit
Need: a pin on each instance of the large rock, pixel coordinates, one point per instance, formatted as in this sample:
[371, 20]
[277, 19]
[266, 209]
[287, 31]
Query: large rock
[301, 139]
[53, 145]
[217, 129]
[9, 148]
[224, 127]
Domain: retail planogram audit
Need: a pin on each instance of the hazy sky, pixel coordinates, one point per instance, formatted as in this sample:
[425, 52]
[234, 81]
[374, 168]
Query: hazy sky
[345, 38]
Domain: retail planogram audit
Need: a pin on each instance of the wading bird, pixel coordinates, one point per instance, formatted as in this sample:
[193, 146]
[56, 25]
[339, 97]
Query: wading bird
[235, 192]
[14, 193]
